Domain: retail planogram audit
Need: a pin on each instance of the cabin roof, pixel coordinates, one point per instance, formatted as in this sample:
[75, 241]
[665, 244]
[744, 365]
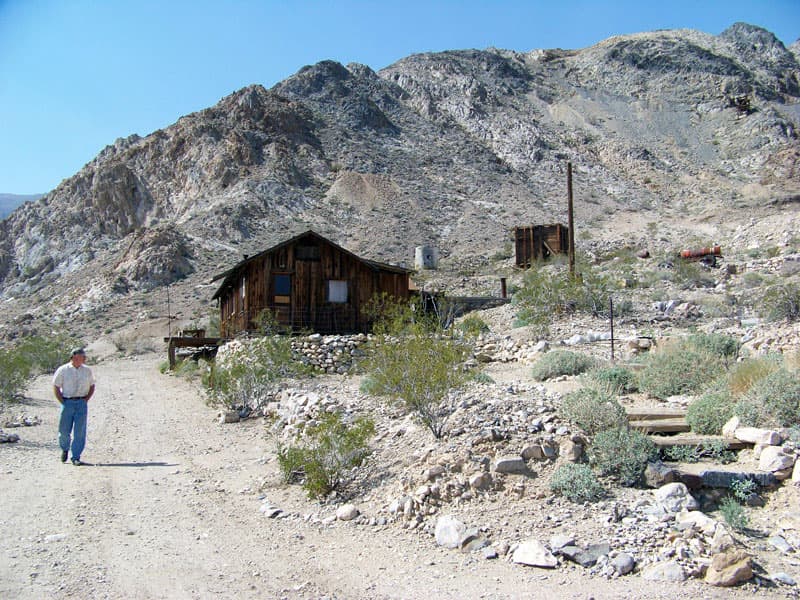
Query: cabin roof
[231, 274]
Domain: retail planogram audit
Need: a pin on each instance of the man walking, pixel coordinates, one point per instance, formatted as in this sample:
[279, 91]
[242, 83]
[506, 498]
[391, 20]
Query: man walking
[73, 385]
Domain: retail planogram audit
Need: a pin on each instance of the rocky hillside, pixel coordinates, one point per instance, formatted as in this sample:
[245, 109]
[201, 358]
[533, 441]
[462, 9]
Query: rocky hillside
[694, 132]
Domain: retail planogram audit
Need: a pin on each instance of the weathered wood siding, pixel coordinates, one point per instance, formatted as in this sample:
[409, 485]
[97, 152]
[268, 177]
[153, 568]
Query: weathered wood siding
[537, 242]
[307, 304]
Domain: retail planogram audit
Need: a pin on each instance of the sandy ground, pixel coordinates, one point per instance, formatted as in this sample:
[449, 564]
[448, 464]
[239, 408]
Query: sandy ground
[169, 508]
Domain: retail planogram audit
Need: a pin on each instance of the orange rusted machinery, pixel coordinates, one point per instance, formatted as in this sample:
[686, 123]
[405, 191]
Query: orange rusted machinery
[708, 256]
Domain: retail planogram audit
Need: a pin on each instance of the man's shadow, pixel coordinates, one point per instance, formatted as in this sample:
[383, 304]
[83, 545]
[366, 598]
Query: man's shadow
[132, 464]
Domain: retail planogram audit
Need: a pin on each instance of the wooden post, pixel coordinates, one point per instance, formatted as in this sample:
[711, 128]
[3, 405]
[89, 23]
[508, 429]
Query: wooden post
[570, 222]
[611, 312]
[503, 292]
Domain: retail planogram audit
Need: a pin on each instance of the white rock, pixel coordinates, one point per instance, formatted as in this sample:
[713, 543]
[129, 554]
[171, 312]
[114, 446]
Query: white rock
[347, 512]
[796, 472]
[675, 497]
[697, 518]
[730, 427]
[534, 554]
[755, 435]
[510, 464]
[774, 459]
[449, 531]
[664, 571]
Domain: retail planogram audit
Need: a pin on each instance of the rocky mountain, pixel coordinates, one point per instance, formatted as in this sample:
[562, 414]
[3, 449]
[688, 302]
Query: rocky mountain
[450, 149]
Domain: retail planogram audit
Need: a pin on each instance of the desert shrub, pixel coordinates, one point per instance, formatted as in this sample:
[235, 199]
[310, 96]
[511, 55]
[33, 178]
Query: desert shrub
[187, 368]
[734, 513]
[15, 369]
[46, 354]
[679, 368]
[543, 294]
[593, 410]
[751, 412]
[682, 454]
[715, 344]
[782, 302]
[622, 454]
[418, 370]
[330, 456]
[561, 362]
[688, 274]
[472, 326]
[779, 395]
[245, 374]
[710, 412]
[715, 449]
[743, 375]
[619, 379]
[743, 489]
[576, 483]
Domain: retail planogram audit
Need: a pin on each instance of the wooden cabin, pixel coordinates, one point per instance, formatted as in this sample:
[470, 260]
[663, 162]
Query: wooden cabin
[307, 282]
[539, 242]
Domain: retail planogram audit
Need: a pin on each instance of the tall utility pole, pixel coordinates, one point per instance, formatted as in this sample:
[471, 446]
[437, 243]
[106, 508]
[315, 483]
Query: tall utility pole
[570, 222]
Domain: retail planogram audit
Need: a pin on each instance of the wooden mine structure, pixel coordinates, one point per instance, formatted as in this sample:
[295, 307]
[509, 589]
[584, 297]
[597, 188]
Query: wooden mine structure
[538, 242]
[306, 282]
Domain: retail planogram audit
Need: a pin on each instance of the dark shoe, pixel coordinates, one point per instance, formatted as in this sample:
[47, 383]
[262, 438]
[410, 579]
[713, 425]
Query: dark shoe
[78, 462]
[63, 456]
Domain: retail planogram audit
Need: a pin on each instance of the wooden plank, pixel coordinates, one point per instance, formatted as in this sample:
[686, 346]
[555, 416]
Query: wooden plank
[663, 441]
[656, 413]
[674, 425]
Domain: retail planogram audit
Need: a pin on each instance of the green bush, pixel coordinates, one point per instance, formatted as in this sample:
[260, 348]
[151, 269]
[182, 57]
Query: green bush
[751, 412]
[622, 454]
[779, 395]
[544, 294]
[247, 373]
[561, 362]
[593, 410]
[576, 483]
[330, 456]
[734, 513]
[619, 379]
[419, 370]
[15, 369]
[715, 344]
[710, 412]
[472, 326]
[46, 354]
[782, 302]
[679, 369]
[742, 376]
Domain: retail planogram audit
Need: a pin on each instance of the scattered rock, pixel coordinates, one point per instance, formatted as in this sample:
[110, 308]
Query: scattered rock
[347, 512]
[449, 531]
[511, 464]
[533, 553]
[773, 459]
[729, 568]
[754, 435]
[664, 571]
[623, 563]
[675, 497]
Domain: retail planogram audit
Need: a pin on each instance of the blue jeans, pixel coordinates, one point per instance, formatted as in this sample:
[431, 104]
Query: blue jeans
[73, 421]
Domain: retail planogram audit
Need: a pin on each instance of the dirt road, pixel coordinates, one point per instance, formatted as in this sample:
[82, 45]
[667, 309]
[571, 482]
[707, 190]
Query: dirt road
[169, 508]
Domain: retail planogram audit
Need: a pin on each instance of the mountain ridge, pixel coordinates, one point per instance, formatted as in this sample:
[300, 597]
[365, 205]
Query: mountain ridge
[449, 149]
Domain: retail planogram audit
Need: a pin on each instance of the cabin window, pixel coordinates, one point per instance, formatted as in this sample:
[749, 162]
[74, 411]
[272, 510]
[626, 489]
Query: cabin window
[307, 253]
[337, 291]
[281, 288]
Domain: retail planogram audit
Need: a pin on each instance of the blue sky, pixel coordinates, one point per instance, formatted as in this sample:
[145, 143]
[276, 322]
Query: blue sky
[77, 74]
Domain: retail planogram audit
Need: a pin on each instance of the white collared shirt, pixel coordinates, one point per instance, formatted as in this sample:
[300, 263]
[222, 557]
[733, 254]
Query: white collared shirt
[74, 382]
